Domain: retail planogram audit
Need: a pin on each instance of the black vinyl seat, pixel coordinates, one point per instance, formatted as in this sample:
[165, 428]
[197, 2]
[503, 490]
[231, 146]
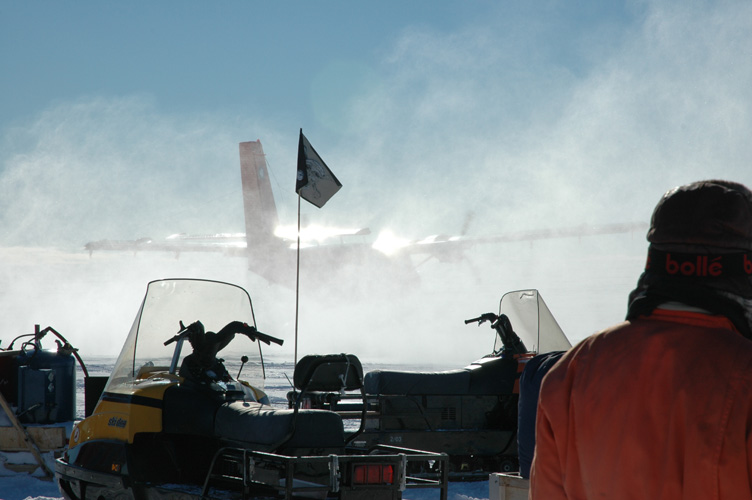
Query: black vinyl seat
[263, 427]
[390, 382]
[487, 375]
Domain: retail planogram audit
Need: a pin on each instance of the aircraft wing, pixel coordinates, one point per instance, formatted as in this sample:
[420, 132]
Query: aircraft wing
[567, 232]
[446, 248]
[266, 244]
[228, 243]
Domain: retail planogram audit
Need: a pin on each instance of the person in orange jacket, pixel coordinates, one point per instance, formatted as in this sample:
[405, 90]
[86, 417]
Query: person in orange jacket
[660, 406]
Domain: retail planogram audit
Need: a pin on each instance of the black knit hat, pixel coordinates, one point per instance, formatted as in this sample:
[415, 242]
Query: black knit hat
[700, 252]
[714, 214]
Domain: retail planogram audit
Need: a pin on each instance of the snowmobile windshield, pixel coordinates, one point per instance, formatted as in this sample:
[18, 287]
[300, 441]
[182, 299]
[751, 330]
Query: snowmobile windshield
[168, 303]
[533, 322]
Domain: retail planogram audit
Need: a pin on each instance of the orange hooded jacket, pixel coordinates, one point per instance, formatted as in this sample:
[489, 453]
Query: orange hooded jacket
[656, 408]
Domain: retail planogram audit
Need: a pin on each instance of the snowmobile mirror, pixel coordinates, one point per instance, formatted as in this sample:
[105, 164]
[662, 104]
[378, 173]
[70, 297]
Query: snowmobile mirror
[243, 361]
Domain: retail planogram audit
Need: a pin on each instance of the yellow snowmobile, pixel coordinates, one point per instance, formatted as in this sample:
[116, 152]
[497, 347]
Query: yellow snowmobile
[171, 425]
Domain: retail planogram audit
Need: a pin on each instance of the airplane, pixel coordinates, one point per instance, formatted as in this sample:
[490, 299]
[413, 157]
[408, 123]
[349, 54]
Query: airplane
[270, 248]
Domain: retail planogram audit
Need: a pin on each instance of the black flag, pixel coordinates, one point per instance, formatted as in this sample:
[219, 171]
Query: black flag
[316, 183]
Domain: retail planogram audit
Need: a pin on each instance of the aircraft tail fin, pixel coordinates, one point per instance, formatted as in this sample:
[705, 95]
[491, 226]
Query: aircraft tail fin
[261, 218]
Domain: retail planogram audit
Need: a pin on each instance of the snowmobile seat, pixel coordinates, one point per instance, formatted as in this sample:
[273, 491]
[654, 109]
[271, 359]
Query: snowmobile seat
[264, 427]
[388, 382]
[485, 376]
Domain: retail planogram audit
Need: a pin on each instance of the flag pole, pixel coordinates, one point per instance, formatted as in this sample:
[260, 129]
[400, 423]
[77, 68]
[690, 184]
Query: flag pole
[315, 189]
[297, 288]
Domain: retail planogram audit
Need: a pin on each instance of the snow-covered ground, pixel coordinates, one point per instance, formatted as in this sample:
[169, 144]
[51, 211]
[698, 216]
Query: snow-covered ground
[23, 487]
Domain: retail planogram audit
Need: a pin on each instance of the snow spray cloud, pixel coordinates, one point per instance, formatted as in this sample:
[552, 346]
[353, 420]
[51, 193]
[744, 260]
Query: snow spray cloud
[102, 168]
[108, 169]
[491, 120]
[495, 119]
[494, 116]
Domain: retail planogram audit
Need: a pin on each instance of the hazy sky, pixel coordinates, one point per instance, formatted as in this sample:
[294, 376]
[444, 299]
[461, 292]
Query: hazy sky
[288, 63]
[460, 105]
[121, 120]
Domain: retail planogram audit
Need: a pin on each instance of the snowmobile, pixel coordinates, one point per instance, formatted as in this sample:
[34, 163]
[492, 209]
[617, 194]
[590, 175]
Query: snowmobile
[471, 414]
[171, 425]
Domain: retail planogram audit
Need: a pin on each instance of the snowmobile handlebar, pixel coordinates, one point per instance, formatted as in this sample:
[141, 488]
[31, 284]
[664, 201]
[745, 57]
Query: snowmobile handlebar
[249, 331]
[482, 319]
[510, 340]
[253, 334]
